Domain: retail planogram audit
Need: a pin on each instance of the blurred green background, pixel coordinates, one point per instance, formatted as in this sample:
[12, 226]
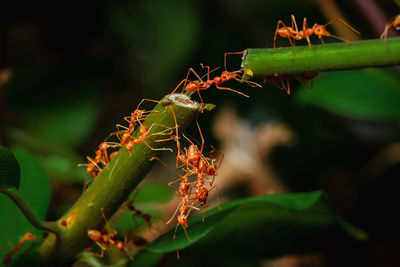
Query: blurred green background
[69, 71]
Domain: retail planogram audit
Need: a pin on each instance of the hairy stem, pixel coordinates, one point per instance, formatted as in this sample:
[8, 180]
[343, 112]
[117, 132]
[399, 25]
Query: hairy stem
[50, 227]
[260, 62]
[115, 183]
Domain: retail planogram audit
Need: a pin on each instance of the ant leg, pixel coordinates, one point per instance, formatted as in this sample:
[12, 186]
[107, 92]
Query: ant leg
[305, 33]
[201, 136]
[166, 165]
[294, 24]
[229, 89]
[178, 144]
[157, 149]
[385, 32]
[208, 70]
[146, 99]
[337, 37]
[176, 211]
[103, 248]
[191, 70]
[283, 86]
[303, 82]
[107, 224]
[231, 53]
[216, 188]
[277, 28]
[288, 85]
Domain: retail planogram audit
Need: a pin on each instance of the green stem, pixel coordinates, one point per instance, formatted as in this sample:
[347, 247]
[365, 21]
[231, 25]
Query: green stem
[50, 227]
[259, 62]
[116, 182]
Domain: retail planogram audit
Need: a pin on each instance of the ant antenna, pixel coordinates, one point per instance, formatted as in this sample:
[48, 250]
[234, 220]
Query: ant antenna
[231, 53]
[345, 23]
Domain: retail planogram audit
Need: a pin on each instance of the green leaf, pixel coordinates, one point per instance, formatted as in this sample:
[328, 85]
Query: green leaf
[66, 121]
[35, 190]
[146, 259]
[173, 36]
[9, 169]
[370, 94]
[155, 192]
[276, 225]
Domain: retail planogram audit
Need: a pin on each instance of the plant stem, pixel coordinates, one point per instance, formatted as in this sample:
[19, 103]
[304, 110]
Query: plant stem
[50, 227]
[116, 182]
[260, 62]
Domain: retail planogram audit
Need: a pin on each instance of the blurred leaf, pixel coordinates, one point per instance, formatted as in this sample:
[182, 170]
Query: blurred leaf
[275, 224]
[30, 256]
[9, 169]
[95, 261]
[154, 192]
[370, 94]
[63, 169]
[174, 28]
[65, 121]
[146, 259]
[35, 190]
[59, 161]
[124, 220]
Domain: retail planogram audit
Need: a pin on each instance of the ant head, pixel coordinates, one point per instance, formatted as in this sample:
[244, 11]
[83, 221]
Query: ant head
[103, 146]
[212, 170]
[226, 75]
[137, 113]
[120, 245]
[320, 30]
[182, 220]
[129, 145]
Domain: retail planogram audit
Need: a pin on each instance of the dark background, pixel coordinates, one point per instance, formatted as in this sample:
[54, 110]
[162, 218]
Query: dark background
[76, 68]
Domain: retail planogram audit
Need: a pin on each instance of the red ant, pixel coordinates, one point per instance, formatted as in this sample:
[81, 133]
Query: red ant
[128, 141]
[103, 238]
[284, 80]
[137, 115]
[93, 167]
[318, 30]
[25, 237]
[199, 84]
[392, 22]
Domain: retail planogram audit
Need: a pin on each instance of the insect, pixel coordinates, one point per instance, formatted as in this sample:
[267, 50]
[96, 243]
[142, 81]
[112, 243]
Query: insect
[392, 22]
[105, 238]
[138, 115]
[282, 81]
[317, 29]
[95, 165]
[200, 84]
[25, 237]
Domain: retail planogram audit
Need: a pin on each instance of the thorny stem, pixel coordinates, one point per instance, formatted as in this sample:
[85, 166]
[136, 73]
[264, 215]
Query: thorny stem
[50, 227]
[115, 183]
[260, 62]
